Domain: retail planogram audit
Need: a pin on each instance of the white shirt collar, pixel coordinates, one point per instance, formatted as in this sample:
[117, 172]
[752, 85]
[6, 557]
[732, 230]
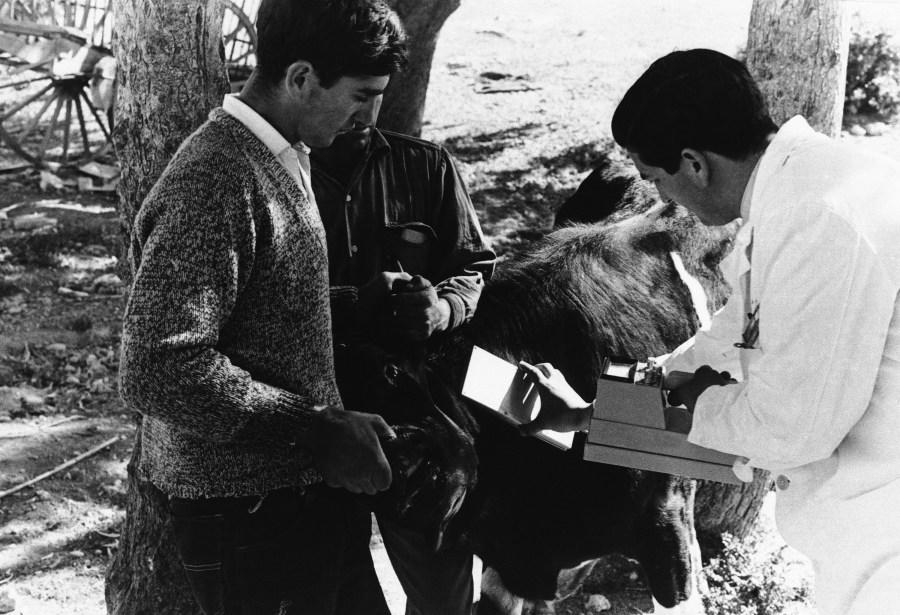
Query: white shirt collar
[294, 158]
[790, 135]
[256, 124]
[795, 128]
[747, 197]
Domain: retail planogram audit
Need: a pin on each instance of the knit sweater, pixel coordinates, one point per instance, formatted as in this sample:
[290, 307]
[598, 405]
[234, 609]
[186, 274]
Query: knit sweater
[226, 342]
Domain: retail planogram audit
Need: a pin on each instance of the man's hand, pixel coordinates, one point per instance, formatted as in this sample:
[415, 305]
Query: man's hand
[347, 450]
[686, 388]
[562, 409]
[418, 311]
[373, 295]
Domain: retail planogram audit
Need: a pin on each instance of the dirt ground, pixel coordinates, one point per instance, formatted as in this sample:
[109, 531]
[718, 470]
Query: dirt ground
[521, 93]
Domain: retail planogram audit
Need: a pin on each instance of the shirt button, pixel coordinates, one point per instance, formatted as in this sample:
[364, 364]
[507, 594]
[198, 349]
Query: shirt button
[782, 482]
[354, 249]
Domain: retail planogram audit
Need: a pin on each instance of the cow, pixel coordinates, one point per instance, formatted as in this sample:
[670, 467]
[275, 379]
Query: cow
[583, 293]
[533, 513]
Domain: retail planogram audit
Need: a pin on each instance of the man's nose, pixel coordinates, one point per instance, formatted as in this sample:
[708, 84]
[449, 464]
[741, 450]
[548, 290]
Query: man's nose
[367, 115]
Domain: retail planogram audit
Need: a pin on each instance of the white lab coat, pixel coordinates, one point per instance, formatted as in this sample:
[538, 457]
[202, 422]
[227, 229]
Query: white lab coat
[818, 397]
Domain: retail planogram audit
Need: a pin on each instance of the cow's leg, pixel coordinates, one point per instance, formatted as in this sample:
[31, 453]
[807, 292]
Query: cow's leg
[666, 541]
[694, 603]
[495, 598]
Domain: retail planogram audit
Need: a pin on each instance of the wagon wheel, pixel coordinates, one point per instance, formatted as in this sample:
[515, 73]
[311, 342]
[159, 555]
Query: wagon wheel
[239, 39]
[92, 18]
[53, 119]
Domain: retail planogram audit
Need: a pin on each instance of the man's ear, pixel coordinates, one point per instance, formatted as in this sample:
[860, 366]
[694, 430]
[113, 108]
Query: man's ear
[298, 76]
[695, 166]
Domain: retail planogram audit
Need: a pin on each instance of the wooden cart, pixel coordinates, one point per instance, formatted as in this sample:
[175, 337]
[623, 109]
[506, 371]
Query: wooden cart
[57, 79]
[57, 75]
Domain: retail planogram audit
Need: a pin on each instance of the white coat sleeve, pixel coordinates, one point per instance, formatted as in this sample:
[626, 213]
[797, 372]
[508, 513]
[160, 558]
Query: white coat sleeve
[825, 305]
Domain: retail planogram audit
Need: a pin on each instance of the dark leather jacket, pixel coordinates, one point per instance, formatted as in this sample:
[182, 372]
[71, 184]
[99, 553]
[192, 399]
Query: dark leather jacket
[403, 208]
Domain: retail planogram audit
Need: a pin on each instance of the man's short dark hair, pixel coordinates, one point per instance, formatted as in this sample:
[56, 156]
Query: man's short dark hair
[338, 37]
[699, 99]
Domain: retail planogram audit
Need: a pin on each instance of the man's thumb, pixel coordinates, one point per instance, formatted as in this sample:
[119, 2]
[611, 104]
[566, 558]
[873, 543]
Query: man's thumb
[531, 428]
[384, 431]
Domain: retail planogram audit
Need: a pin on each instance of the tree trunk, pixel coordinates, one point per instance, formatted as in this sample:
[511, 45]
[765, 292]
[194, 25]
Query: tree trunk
[404, 101]
[732, 509]
[797, 52]
[145, 576]
[170, 74]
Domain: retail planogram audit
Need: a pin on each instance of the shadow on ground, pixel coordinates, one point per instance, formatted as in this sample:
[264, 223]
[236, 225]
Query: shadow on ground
[515, 193]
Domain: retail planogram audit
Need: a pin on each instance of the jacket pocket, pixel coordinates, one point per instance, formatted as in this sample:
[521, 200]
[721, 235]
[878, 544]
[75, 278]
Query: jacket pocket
[409, 246]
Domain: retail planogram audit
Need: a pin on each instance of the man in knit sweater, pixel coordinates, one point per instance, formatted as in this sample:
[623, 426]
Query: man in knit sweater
[227, 348]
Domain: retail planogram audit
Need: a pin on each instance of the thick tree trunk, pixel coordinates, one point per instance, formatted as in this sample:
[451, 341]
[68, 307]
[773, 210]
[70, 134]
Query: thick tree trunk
[732, 509]
[145, 576]
[797, 51]
[404, 101]
[170, 74]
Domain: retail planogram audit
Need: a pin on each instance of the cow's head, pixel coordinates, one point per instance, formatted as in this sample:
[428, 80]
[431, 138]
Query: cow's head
[433, 458]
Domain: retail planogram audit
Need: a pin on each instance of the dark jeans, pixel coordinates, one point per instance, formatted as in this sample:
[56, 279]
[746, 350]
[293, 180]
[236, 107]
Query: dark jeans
[291, 554]
[435, 583]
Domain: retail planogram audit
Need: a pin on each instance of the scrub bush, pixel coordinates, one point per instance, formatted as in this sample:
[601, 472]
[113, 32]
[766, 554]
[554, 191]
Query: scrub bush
[746, 579]
[873, 76]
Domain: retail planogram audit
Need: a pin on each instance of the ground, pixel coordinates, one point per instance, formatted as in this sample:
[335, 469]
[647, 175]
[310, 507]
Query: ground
[521, 93]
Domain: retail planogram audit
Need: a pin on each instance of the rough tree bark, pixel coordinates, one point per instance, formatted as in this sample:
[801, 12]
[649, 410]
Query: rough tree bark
[797, 52]
[732, 509]
[404, 101]
[170, 74]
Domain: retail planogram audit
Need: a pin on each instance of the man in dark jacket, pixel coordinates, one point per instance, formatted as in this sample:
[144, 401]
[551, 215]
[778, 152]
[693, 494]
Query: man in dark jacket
[406, 253]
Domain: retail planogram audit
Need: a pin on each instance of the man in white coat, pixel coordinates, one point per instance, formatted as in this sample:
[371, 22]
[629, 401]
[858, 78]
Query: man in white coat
[799, 373]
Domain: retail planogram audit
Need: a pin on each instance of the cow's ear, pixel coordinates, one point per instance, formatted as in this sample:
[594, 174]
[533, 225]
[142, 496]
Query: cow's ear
[695, 164]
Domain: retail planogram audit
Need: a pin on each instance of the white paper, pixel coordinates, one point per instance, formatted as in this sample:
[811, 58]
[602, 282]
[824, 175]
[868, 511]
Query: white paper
[619, 370]
[500, 385]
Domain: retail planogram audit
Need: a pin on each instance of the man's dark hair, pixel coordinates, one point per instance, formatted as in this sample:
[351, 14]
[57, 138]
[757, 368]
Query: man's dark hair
[338, 37]
[699, 99]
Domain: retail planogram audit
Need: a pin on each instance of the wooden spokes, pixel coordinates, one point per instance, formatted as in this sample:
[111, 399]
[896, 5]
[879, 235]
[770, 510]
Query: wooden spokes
[54, 121]
[239, 39]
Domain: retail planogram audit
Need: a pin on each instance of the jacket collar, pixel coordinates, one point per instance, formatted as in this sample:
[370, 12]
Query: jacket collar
[794, 135]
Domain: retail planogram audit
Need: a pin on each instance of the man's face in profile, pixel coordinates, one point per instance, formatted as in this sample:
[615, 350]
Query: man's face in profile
[349, 105]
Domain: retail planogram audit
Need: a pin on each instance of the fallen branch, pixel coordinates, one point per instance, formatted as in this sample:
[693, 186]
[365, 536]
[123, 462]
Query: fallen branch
[60, 467]
[106, 534]
[74, 417]
[37, 430]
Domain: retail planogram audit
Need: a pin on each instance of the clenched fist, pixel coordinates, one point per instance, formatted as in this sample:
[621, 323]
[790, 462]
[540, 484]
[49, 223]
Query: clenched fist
[418, 312]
